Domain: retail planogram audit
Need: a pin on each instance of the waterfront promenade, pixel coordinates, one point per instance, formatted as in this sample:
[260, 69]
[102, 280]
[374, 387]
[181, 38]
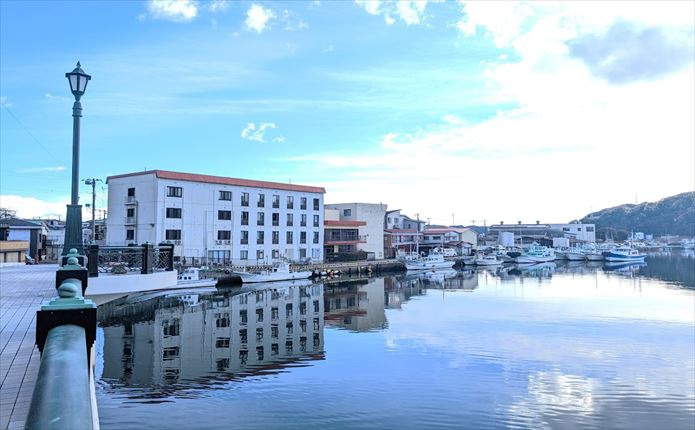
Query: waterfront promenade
[22, 290]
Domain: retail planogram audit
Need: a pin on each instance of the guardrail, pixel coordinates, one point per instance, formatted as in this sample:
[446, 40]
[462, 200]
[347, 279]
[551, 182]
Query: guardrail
[144, 259]
[63, 397]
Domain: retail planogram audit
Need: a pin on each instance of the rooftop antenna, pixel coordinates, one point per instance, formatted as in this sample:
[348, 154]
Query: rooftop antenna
[452, 219]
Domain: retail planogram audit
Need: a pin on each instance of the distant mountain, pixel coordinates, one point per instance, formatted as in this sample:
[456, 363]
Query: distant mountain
[671, 215]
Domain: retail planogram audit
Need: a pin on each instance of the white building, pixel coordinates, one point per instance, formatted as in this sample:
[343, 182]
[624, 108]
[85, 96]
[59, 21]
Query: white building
[372, 233]
[224, 219]
[574, 231]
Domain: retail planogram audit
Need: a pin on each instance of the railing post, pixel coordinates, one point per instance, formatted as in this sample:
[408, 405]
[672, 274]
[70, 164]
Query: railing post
[93, 261]
[147, 257]
[72, 270]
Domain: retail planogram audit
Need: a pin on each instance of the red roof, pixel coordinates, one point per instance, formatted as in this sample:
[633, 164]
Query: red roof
[400, 230]
[330, 223]
[193, 177]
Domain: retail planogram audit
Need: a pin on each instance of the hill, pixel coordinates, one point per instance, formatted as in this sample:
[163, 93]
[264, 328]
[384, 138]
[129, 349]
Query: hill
[671, 215]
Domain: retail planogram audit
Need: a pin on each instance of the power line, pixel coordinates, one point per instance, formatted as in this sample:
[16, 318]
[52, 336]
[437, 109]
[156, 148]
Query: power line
[30, 134]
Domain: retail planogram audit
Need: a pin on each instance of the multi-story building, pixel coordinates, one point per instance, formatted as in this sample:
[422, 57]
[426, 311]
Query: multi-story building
[371, 234]
[401, 233]
[224, 219]
[461, 238]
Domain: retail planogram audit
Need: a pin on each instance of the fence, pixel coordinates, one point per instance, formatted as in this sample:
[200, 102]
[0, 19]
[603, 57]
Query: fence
[142, 259]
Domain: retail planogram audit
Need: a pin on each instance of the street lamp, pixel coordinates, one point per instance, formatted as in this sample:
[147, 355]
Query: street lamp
[78, 80]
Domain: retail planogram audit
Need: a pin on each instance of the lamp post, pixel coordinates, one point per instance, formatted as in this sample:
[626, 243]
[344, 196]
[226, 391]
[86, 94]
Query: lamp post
[78, 80]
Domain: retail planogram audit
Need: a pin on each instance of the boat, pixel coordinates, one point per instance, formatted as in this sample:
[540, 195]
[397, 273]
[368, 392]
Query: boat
[487, 260]
[432, 261]
[595, 253]
[536, 254]
[624, 253]
[279, 271]
[190, 278]
[561, 253]
[575, 254]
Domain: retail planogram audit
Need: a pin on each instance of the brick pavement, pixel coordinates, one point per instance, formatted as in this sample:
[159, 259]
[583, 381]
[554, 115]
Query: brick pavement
[22, 290]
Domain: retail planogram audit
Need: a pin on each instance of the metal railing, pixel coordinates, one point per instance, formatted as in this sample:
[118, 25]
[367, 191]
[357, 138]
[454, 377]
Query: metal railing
[118, 260]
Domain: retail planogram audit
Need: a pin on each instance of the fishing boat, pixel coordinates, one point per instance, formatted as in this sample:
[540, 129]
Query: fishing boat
[432, 261]
[279, 271]
[594, 253]
[487, 260]
[536, 254]
[575, 254]
[624, 253]
[190, 278]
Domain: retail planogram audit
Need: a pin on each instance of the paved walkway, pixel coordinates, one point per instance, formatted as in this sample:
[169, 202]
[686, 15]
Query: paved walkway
[22, 290]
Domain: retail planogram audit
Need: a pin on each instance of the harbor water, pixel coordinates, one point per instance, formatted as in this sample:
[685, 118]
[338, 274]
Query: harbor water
[558, 345]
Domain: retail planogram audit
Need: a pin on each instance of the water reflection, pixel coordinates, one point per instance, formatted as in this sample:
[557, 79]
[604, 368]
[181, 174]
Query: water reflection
[561, 345]
[163, 339]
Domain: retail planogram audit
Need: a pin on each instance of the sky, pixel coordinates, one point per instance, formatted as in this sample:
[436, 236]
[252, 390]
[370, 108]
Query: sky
[460, 112]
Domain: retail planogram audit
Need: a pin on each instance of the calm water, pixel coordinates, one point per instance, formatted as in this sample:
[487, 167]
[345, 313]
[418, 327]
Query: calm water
[553, 346]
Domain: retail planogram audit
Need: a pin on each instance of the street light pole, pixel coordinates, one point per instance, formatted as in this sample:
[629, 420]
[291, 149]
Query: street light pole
[93, 183]
[73, 222]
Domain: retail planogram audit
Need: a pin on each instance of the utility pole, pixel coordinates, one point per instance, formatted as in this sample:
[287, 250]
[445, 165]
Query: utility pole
[93, 183]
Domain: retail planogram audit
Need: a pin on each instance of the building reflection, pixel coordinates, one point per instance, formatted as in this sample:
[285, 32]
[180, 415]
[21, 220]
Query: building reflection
[356, 305]
[215, 335]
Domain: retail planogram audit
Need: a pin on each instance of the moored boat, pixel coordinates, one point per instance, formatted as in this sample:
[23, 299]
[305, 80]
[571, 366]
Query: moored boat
[624, 254]
[432, 261]
[487, 260]
[278, 272]
[536, 254]
[575, 254]
[190, 278]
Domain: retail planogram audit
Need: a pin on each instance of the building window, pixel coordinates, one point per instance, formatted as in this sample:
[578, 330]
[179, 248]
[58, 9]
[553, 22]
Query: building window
[289, 237]
[276, 219]
[131, 192]
[288, 347]
[222, 364]
[276, 254]
[290, 328]
[243, 255]
[224, 235]
[222, 342]
[589, 229]
[316, 220]
[274, 313]
[261, 201]
[260, 219]
[224, 215]
[244, 237]
[174, 192]
[243, 357]
[244, 218]
[347, 212]
[276, 237]
[290, 202]
[302, 239]
[226, 195]
[316, 204]
[260, 237]
[302, 203]
[173, 235]
[260, 255]
[316, 237]
[302, 252]
[259, 316]
[302, 221]
[243, 316]
[242, 335]
[290, 221]
[316, 307]
[274, 349]
[171, 328]
[170, 353]
[173, 212]
[130, 234]
[244, 199]
[274, 332]
[302, 326]
[288, 311]
[222, 320]
[565, 229]
[131, 212]
[276, 201]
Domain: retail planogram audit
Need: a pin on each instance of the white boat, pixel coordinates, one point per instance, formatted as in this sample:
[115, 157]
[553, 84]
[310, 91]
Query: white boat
[487, 260]
[575, 254]
[624, 253]
[432, 261]
[561, 253]
[277, 272]
[536, 254]
[190, 278]
[592, 252]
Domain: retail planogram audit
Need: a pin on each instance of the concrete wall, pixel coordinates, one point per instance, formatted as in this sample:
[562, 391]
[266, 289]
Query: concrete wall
[371, 213]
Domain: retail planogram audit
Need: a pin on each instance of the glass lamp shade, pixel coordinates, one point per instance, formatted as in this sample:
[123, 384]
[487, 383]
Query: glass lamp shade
[78, 80]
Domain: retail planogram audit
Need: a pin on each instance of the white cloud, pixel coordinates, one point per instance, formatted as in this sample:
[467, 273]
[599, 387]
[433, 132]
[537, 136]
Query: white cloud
[258, 18]
[574, 139]
[410, 11]
[257, 133]
[51, 97]
[42, 169]
[218, 5]
[173, 10]
[30, 207]
[4, 102]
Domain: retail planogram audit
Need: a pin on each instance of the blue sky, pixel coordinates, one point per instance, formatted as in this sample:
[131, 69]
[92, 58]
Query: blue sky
[477, 110]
